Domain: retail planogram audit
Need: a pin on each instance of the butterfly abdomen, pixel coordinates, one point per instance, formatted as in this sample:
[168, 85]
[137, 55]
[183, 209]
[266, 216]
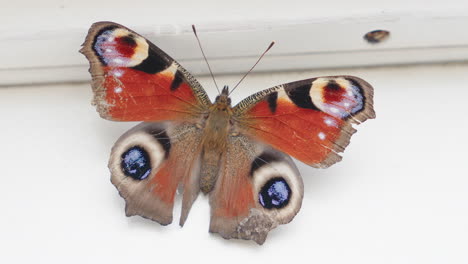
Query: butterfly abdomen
[216, 131]
[209, 170]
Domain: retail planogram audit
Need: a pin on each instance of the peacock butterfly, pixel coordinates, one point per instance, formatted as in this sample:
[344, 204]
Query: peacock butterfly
[238, 155]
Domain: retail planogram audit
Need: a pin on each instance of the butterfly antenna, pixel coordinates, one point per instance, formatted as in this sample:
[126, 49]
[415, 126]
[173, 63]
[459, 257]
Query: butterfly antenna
[245, 75]
[206, 60]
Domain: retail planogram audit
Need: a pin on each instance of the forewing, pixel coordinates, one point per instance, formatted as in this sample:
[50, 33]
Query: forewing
[149, 163]
[257, 189]
[311, 119]
[133, 80]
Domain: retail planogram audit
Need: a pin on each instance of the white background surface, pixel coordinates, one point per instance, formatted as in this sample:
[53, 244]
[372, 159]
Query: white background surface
[399, 195]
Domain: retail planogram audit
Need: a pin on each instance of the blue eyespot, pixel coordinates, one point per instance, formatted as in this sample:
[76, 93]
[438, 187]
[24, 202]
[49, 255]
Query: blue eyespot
[136, 163]
[275, 194]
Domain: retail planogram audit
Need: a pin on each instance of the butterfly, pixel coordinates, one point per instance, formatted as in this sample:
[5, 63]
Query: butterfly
[237, 155]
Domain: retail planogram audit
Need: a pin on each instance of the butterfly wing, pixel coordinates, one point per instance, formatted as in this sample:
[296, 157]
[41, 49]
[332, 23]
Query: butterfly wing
[257, 189]
[133, 80]
[311, 119]
[146, 167]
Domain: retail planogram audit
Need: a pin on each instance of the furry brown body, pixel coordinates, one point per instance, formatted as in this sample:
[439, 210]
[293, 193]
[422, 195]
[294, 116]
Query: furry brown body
[217, 126]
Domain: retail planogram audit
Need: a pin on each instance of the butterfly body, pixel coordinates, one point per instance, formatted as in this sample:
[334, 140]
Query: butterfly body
[237, 155]
[216, 129]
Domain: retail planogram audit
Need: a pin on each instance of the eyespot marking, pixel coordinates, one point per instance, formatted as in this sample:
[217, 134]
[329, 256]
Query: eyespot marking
[261, 160]
[276, 193]
[136, 163]
[163, 139]
[117, 47]
[340, 97]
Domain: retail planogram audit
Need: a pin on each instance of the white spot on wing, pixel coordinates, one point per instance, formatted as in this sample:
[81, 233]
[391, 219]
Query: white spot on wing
[330, 122]
[118, 89]
[117, 73]
[117, 60]
[321, 135]
[334, 110]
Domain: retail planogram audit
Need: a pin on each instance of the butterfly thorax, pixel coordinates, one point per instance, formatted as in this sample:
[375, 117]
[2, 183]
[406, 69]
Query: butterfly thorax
[216, 131]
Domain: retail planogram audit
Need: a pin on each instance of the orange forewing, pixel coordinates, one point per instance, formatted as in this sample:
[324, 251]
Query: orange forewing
[133, 80]
[136, 95]
[300, 132]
